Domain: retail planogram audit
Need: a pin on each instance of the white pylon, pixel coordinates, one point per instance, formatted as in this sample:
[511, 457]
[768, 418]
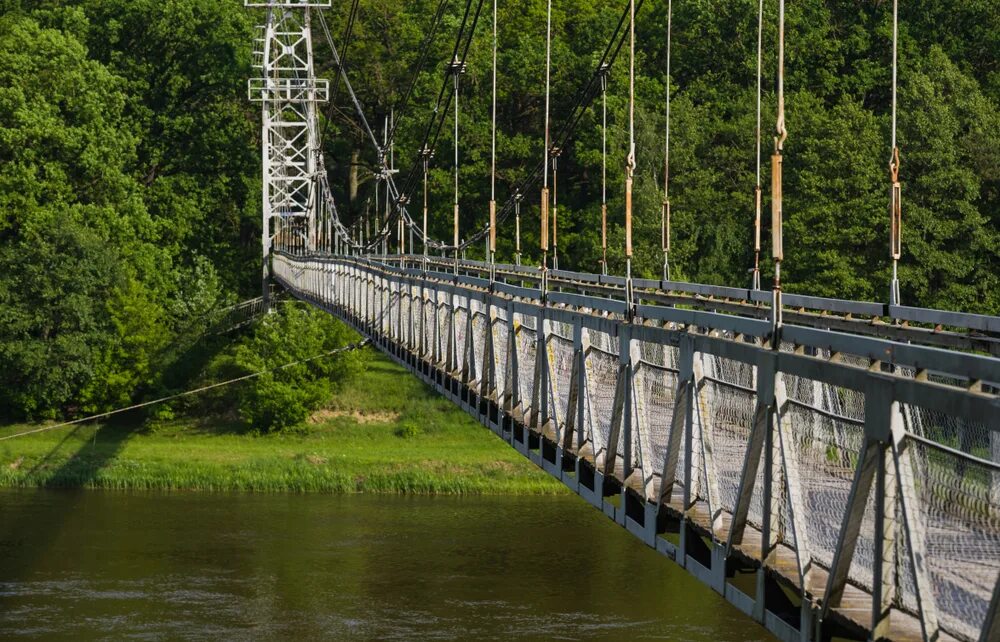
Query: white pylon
[288, 91]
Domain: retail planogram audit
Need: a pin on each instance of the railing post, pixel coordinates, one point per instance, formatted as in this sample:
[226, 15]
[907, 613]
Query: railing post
[916, 535]
[626, 363]
[540, 395]
[469, 365]
[513, 382]
[878, 422]
[685, 404]
[488, 369]
[575, 430]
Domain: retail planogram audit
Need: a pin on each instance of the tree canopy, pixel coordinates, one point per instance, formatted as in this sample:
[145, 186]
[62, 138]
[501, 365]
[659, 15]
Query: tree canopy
[130, 171]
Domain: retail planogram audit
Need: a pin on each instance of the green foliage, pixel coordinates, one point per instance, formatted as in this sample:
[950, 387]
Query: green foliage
[130, 178]
[836, 158]
[127, 196]
[283, 398]
[354, 448]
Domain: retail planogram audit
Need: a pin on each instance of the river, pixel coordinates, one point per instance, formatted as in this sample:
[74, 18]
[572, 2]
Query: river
[183, 565]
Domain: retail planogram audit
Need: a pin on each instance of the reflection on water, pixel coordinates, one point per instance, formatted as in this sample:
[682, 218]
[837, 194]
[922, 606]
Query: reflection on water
[87, 563]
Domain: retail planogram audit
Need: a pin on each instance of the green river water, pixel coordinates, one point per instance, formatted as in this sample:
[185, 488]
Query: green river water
[88, 564]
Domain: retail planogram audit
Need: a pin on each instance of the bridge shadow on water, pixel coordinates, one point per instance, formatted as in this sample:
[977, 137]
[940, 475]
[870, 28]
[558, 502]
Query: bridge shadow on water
[70, 477]
[96, 447]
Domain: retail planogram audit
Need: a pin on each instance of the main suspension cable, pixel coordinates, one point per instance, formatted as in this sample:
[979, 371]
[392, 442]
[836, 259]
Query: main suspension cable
[584, 97]
[348, 33]
[425, 48]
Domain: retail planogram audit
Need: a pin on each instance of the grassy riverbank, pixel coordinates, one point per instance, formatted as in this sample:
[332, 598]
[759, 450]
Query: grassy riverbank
[385, 432]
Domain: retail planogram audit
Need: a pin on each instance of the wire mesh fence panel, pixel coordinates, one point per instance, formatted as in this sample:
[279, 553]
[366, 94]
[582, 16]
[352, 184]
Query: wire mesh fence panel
[731, 371]
[444, 320]
[386, 308]
[526, 340]
[395, 307]
[960, 518]
[635, 436]
[461, 319]
[561, 329]
[826, 448]
[405, 321]
[602, 375]
[657, 386]
[429, 324]
[479, 325]
[561, 376]
[500, 348]
[658, 354]
[730, 415]
[603, 341]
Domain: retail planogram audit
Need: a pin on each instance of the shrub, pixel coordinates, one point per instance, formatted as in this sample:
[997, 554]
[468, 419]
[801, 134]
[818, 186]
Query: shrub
[285, 395]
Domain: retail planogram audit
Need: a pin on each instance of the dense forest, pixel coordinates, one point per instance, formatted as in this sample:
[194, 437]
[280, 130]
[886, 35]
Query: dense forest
[129, 160]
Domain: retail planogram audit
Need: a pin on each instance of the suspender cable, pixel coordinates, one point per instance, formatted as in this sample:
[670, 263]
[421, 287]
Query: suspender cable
[493, 152]
[603, 71]
[456, 68]
[385, 176]
[517, 227]
[425, 156]
[896, 201]
[755, 280]
[630, 161]
[348, 32]
[555, 206]
[544, 239]
[781, 134]
[665, 211]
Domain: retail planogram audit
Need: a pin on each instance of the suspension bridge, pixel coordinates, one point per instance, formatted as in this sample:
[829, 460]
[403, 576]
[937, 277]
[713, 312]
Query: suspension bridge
[831, 467]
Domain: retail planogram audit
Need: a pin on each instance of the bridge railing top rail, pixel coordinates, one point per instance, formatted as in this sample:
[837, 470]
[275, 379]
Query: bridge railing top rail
[965, 368]
[922, 325]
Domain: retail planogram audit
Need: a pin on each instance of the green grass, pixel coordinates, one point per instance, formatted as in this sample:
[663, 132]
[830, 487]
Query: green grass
[385, 432]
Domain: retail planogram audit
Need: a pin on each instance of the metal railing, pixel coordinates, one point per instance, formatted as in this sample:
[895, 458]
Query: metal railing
[860, 473]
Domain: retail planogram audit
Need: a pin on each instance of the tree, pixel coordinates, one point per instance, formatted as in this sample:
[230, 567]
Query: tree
[281, 398]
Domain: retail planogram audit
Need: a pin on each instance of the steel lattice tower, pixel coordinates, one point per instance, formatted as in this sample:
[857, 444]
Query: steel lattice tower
[288, 91]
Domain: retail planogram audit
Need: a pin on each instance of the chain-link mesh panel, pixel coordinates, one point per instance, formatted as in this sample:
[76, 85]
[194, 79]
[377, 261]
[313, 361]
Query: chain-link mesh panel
[500, 348]
[526, 343]
[959, 514]
[389, 308]
[385, 296]
[443, 320]
[603, 341]
[561, 376]
[405, 317]
[478, 337]
[726, 413]
[826, 448]
[657, 388]
[427, 310]
[602, 375]
[658, 354]
[461, 320]
[562, 330]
